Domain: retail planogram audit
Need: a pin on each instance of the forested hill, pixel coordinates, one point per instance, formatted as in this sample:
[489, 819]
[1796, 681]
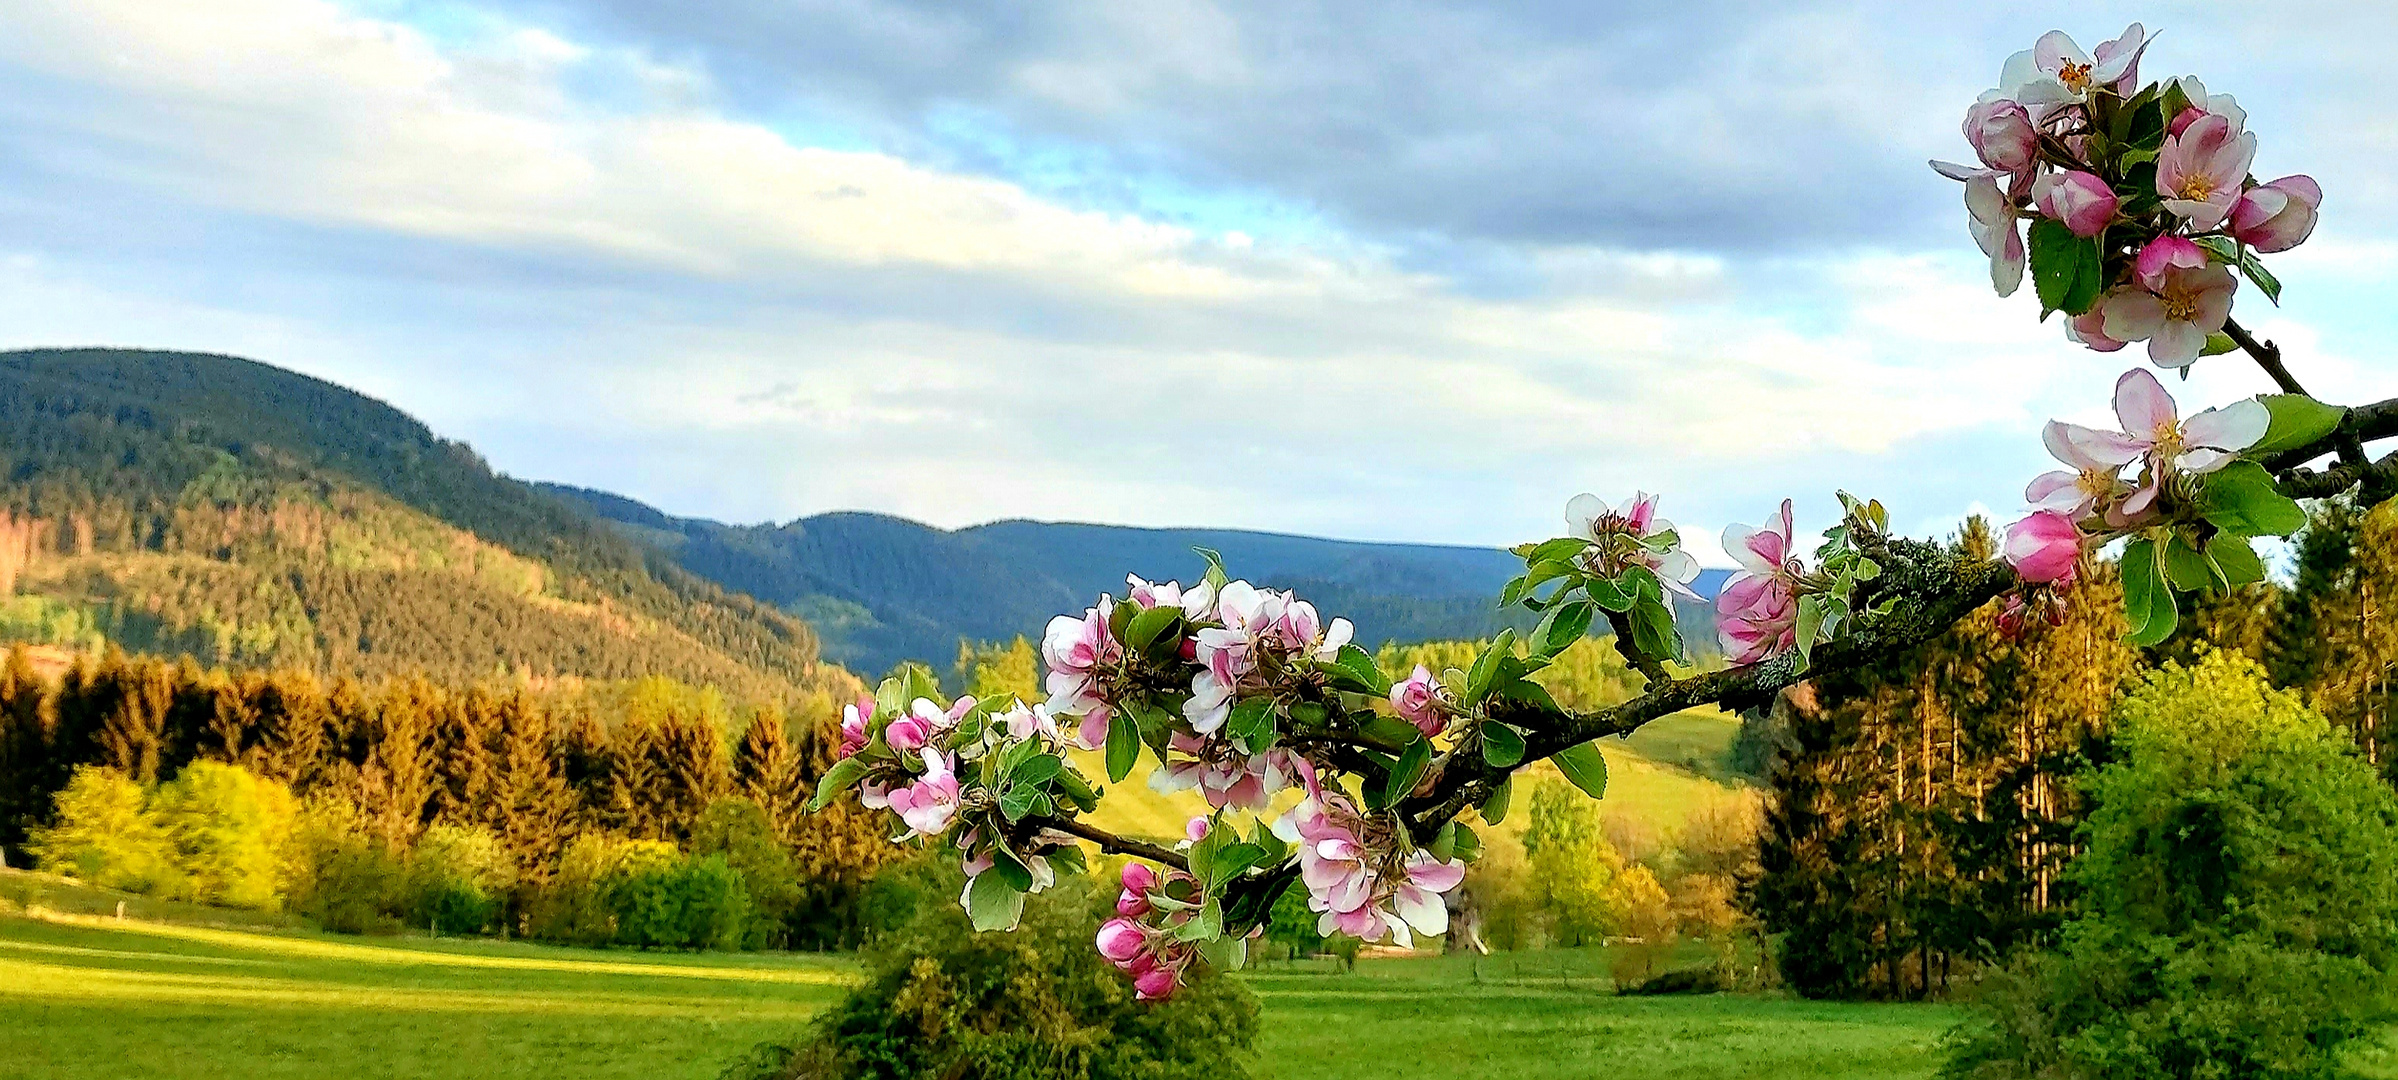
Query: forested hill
[178, 502]
[881, 589]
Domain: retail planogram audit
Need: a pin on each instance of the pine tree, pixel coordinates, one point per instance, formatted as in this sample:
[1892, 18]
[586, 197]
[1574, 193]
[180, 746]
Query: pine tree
[466, 732]
[531, 808]
[2351, 668]
[132, 735]
[25, 723]
[397, 778]
[692, 771]
[287, 741]
[766, 772]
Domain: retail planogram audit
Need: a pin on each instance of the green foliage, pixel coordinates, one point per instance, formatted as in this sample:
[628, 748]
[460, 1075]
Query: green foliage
[228, 829]
[738, 831]
[104, 833]
[2239, 914]
[458, 879]
[942, 1000]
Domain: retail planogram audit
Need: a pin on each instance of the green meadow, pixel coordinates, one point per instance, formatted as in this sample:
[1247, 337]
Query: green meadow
[90, 997]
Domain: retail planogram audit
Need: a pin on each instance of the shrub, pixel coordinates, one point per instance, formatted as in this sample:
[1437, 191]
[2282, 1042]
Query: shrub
[1036, 1004]
[459, 880]
[740, 832]
[229, 829]
[2239, 914]
[104, 834]
[339, 877]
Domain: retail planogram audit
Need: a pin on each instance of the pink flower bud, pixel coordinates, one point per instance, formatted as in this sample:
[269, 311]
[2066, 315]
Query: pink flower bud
[2081, 200]
[2044, 546]
[1417, 701]
[2167, 253]
[1132, 905]
[1121, 939]
[2189, 115]
[2002, 135]
[2277, 216]
[1195, 830]
[1138, 877]
[1157, 984]
[907, 733]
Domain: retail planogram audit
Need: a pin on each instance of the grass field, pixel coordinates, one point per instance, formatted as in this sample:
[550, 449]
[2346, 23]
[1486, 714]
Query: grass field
[85, 997]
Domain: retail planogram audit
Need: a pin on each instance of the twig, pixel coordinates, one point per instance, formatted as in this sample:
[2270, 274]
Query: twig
[1111, 843]
[2268, 356]
[1646, 665]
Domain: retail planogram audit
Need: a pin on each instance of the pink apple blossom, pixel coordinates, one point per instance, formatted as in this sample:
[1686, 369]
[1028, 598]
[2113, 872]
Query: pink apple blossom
[1137, 879]
[1417, 700]
[2090, 329]
[2202, 105]
[1090, 731]
[1621, 537]
[2002, 134]
[2167, 253]
[1075, 651]
[2044, 546]
[1155, 984]
[2200, 171]
[1757, 613]
[1992, 222]
[2277, 216]
[2188, 305]
[2055, 72]
[929, 804]
[1359, 887]
[1196, 602]
[2094, 482]
[857, 721]
[2153, 429]
[1224, 774]
[2081, 200]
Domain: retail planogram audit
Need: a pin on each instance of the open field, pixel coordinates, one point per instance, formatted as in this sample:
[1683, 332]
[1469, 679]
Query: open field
[84, 998]
[88, 998]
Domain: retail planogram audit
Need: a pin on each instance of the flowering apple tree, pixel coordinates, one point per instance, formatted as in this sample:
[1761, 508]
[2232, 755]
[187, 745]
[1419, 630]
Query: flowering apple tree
[2140, 208]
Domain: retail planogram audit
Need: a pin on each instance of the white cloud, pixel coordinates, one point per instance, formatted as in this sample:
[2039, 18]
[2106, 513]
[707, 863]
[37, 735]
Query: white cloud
[727, 322]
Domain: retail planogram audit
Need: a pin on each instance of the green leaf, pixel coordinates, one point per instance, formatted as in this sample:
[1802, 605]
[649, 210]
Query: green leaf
[1468, 845]
[1653, 629]
[844, 775]
[1123, 747]
[2222, 249]
[1410, 768]
[2237, 560]
[1444, 843]
[1215, 577]
[2065, 268]
[1560, 550]
[2254, 270]
[2147, 599]
[1035, 771]
[2146, 123]
[2297, 421]
[1584, 767]
[2190, 570]
[1018, 802]
[1252, 723]
[1530, 693]
[1233, 860]
[2240, 497]
[1609, 593]
[1004, 863]
[1494, 809]
[1810, 621]
[1388, 731]
[1147, 626]
[1356, 669]
[2217, 344]
[992, 904]
[1564, 625]
[1486, 666]
[1226, 952]
[1502, 746]
[1068, 860]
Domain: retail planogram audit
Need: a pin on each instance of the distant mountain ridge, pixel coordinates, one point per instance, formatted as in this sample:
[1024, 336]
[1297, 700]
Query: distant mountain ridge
[881, 589]
[252, 516]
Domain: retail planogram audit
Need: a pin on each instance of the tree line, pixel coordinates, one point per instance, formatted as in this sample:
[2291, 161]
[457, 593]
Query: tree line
[503, 787]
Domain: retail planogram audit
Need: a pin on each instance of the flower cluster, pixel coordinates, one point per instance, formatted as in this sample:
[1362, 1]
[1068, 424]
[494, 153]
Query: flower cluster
[2140, 198]
[1364, 880]
[1631, 535]
[1141, 939]
[1756, 614]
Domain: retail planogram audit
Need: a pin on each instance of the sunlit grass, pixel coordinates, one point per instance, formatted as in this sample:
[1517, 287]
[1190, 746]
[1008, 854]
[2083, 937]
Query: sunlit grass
[86, 997]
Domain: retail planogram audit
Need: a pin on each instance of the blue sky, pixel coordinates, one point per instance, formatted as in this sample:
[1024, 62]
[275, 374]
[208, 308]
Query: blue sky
[1383, 271]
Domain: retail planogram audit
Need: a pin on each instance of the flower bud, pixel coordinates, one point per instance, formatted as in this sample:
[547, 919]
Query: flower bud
[1121, 939]
[2277, 216]
[2167, 253]
[1156, 984]
[2002, 135]
[1417, 701]
[2043, 547]
[2081, 200]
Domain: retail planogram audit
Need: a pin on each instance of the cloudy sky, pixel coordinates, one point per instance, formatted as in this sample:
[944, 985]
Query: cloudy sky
[1372, 270]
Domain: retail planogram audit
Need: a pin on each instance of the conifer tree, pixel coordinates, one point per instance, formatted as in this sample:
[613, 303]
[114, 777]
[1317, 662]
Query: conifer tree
[25, 722]
[466, 731]
[287, 742]
[397, 779]
[766, 772]
[531, 807]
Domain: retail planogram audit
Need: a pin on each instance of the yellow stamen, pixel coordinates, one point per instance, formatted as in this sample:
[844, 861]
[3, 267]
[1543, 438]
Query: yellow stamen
[2076, 76]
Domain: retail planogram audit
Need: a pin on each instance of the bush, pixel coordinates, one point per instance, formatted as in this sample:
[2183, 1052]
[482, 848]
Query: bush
[2239, 913]
[339, 877]
[740, 832]
[573, 908]
[458, 881]
[229, 829]
[105, 835]
[1035, 1004]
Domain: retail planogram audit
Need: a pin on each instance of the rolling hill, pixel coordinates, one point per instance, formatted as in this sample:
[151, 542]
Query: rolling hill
[247, 515]
[883, 589]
